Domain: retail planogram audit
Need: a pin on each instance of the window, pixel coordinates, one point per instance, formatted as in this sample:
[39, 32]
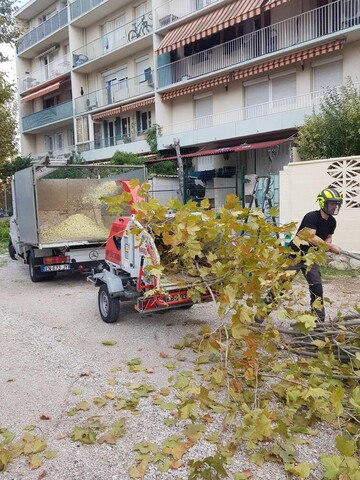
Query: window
[327, 75]
[116, 85]
[142, 65]
[82, 129]
[140, 10]
[54, 142]
[203, 110]
[70, 138]
[267, 96]
[113, 33]
[143, 122]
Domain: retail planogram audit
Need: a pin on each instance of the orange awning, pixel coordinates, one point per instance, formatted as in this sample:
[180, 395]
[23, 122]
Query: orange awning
[274, 3]
[289, 59]
[196, 87]
[215, 21]
[41, 92]
[123, 108]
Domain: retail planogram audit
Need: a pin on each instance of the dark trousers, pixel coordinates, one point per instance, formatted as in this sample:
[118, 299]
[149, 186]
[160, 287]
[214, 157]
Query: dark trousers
[313, 278]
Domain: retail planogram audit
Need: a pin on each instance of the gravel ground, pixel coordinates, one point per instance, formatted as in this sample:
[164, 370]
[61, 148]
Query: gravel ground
[51, 346]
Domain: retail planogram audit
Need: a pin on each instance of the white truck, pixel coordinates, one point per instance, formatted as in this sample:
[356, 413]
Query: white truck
[59, 221]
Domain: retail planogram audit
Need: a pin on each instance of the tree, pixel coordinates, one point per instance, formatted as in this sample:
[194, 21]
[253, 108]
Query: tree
[19, 163]
[9, 31]
[334, 130]
[8, 125]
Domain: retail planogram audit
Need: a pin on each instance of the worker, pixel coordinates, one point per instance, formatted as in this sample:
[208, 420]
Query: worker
[321, 225]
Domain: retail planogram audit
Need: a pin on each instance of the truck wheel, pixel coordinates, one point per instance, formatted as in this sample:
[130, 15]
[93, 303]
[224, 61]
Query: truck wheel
[34, 274]
[12, 251]
[109, 307]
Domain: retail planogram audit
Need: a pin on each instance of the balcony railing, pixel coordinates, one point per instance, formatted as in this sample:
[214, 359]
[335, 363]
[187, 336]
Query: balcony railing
[308, 26]
[124, 89]
[105, 142]
[115, 39]
[48, 116]
[173, 10]
[308, 101]
[79, 7]
[54, 69]
[57, 21]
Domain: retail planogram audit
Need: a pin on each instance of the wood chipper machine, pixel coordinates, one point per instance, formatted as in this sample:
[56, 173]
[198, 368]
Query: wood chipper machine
[125, 278]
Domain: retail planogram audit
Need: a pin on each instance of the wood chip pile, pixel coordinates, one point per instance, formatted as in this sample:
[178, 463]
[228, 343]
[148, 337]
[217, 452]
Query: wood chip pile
[74, 228]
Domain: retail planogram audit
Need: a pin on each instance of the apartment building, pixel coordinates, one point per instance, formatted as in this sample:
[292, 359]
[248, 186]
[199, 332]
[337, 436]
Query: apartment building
[233, 80]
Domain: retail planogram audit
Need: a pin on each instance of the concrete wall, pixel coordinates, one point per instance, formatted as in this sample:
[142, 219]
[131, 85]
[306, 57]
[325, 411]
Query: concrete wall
[301, 182]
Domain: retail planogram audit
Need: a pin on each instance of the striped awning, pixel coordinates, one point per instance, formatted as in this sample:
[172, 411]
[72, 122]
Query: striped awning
[259, 69]
[289, 59]
[274, 3]
[123, 108]
[224, 79]
[215, 21]
[41, 92]
[223, 150]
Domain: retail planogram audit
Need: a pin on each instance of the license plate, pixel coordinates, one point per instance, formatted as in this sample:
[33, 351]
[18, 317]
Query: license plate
[55, 268]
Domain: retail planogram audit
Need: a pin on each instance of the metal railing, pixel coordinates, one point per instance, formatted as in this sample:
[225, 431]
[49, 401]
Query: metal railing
[115, 39]
[124, 89]
[105, 142]
[308, 26]
[79, 7]
[57, 67]
[48, 116]
[308, 100]
[171, 11]
[45, 29]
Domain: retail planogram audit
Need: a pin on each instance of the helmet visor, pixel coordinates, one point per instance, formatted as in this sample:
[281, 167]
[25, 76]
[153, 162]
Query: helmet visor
[332, 207]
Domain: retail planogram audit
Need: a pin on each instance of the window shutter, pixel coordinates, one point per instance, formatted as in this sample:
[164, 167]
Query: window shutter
[117, 128]
[283, 87]
[327, 75]
[256, 94]
[138, 122]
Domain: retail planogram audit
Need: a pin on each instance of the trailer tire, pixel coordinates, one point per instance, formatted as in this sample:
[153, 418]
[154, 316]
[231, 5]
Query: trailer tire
[34, 274]
[109, 308]
[12, 251]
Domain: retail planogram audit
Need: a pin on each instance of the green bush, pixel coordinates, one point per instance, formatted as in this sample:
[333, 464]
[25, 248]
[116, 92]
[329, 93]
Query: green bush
[4, 235]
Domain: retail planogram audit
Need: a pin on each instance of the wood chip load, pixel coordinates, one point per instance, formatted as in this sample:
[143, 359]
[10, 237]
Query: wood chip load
[76, 227]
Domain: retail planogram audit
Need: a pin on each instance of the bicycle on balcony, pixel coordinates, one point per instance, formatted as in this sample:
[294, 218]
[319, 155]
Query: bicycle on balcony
[140, 29]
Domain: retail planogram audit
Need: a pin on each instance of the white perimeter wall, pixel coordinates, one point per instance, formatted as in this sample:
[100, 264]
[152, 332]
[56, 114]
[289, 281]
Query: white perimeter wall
[301, 182]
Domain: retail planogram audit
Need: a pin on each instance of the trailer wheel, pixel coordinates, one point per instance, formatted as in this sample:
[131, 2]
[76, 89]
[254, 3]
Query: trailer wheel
[12, 251]
[34, 274]
[109, 307]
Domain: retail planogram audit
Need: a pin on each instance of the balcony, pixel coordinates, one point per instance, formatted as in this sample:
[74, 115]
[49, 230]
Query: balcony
[174, 10]
[312, 25]
[125, 89]
[59, 113]
[56, 68]
[84, 13]
[103, 149]
[284, 114]
[108, 44]
[80, 7]
[43, 31]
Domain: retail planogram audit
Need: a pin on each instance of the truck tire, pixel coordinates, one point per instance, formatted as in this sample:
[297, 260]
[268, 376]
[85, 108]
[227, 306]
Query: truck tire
[34, 274]
[109, 308]
[12, 251]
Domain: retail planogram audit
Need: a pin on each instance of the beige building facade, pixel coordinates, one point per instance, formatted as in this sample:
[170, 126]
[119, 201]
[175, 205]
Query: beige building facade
[232, 80]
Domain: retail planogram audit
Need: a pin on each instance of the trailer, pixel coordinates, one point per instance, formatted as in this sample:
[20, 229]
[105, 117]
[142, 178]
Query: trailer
[59, 222]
